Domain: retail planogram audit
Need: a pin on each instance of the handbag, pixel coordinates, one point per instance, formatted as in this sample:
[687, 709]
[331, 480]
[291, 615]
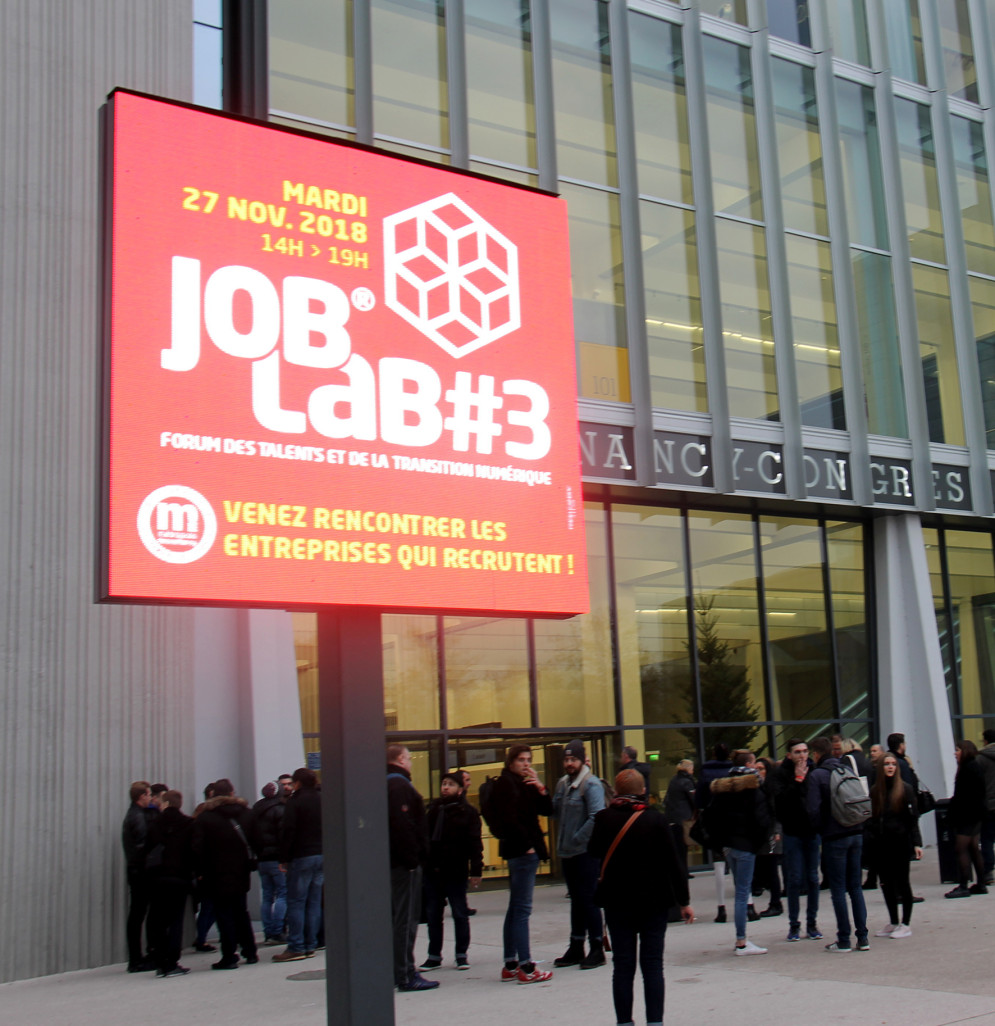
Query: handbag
[925, 802]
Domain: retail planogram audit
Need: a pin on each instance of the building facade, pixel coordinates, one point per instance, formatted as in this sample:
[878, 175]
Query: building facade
[783, 264]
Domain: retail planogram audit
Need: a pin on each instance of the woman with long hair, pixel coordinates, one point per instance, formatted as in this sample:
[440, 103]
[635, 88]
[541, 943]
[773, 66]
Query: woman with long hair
[895, 829]
[964, 814]
[642, 877]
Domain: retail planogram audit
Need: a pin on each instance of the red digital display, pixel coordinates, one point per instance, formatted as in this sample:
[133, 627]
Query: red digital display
[333, 376]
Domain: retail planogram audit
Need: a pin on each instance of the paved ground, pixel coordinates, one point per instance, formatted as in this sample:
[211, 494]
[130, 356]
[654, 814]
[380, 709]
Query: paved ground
[940, 976]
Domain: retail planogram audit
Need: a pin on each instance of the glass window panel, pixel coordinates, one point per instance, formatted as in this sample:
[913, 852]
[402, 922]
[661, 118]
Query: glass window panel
[788, 19]
[863, 184]
[938, 354]
[747, 330]
[799, 149]
[848, 590]
[500, 99]
[410, 88]
[651, 599]
[959, 70]
[598, 299]
[664, 749]
[816, 338]
[585, 121]
[931, 539]
[974, 194]
[673, 308]
[660, 109]
[903, 31]
[971, 573]
[207, 51]
[884, 392]
[574, 657]
[848, 30]
[487, 672]
[310, 59]
[727, 628]
[983, 311]
[727, 10]
[305, 628]
[410, 671]
[496, 171]
[732, 132]
[801, 661]
[917, 158]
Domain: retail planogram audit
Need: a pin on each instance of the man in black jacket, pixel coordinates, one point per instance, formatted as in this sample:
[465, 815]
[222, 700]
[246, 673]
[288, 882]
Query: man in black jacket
[223, 857]
[630, 760]
[134, 838]
[301, 859]
[169, 864]
[268, 816]
[455, 859]
[408, 854]
[799, 838]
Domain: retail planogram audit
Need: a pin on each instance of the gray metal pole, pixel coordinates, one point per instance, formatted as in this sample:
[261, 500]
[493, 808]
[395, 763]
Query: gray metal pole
[358, 940]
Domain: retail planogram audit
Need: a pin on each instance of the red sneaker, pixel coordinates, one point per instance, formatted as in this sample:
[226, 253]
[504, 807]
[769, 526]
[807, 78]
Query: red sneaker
[536, 976]
[509, 975]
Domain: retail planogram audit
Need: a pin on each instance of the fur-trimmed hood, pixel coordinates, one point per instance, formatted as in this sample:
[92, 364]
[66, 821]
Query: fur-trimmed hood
[736, 783]
[220, 803]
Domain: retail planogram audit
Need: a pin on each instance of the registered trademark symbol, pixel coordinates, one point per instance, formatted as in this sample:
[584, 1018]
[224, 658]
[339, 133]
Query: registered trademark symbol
[363, 299]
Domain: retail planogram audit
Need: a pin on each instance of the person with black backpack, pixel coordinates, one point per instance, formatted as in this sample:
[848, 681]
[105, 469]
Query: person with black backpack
[835, 797]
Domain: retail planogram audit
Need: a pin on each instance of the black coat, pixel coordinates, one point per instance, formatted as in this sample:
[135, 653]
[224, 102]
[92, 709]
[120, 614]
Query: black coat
[300, 828]
[134, 834]
[174, 831]
[220, 854]
[406, 820]
[455, 848]
[645, 871]
[894, 833]
[268, 816]
[517, 808]
[793, 803]
[679, 803]
[739, 814]
[967, 807]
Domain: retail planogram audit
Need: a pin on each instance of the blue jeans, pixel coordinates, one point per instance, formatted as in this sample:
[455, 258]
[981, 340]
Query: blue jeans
[521, 884]
[801, 873]
[842, 855]
[627, 928]
[305, 878]
[740, 864]
[274, 902]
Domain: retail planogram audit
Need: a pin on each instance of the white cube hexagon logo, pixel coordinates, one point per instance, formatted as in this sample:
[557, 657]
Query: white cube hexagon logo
[451, 275]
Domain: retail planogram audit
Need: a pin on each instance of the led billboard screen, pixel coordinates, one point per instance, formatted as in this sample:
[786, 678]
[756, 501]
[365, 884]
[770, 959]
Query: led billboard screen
[332, 376]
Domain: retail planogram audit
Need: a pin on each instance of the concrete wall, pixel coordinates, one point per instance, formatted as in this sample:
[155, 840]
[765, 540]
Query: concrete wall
[92, 697]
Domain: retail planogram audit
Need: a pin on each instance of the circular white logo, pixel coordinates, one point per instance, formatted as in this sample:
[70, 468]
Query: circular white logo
[177, 524]
[363, 299]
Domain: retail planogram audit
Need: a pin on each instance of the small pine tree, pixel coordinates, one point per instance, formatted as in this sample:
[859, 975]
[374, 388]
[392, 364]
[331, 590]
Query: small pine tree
[725, 688]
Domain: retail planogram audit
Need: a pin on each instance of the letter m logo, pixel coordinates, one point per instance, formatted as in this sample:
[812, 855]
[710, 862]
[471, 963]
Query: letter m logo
[175, 516]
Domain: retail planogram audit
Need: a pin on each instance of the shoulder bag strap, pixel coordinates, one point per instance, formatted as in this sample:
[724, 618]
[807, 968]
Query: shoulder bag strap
[618, 837]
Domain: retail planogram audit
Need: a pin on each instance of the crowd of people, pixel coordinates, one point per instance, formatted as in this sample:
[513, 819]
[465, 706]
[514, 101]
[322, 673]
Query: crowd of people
[825, 810]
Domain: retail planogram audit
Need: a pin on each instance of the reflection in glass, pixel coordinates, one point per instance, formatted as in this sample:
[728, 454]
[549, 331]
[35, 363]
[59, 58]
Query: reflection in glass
[816, 339]
[747, 330]
[727, 627]
[938, 353]
[410, 87]
[848, 30]
[884, 392]
[971, 577]
[487, 672]
[801, 662]
[983, 313]
[305, 628]
[917, 159]
[574, 657]
[732, 133]
[974, 194]
[651, 597]
[660, 109]
[960, 72]
[799, 150]
[585, 121]
[727, 10]
[847, 585]
[903, 31]
[673, 308]
[861, 161]
[931, 539]
[788, 19]
[310, 60]
[410, 671]
[500, 97]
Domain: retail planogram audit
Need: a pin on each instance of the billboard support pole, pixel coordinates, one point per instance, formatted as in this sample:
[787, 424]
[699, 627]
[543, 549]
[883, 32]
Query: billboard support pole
[358, 939]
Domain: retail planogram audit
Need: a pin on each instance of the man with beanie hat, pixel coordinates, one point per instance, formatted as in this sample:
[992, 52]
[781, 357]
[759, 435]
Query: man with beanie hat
[577, 799]
[268, 814]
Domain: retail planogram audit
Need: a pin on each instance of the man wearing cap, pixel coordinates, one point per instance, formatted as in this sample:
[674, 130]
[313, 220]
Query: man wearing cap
[578, 797]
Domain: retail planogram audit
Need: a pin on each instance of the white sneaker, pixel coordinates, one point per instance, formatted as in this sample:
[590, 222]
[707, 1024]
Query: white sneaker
[887, 931]
[749, 948]
[901, 931]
